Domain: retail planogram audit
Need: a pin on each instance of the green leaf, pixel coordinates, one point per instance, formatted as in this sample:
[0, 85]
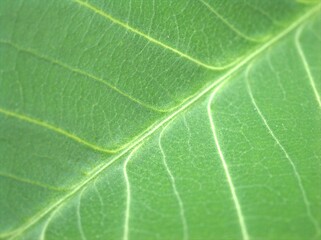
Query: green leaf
[160, 119]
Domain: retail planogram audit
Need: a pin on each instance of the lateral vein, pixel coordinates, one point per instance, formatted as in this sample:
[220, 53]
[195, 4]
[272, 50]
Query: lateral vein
[306, 65]
[54, 129]
[31, 182]
[128, 196]
[79, 223]
[229, 25]
[287, 156]
[83, 73]
[228, 176]
[149, 38]
[173, 182]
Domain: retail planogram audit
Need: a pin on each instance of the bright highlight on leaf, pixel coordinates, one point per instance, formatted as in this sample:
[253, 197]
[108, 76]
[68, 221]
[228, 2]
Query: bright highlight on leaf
[160, 119]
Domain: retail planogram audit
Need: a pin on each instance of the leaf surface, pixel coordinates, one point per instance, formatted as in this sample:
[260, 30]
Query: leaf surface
[160, 120]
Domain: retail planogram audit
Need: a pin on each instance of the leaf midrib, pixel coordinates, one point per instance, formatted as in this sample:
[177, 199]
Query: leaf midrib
[144, 137]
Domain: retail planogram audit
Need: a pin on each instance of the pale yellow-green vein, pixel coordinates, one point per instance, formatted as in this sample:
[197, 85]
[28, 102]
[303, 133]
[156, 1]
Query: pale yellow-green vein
[229, 25]
[102, 13]
[83, 73]
[55, 129]
[31, 182]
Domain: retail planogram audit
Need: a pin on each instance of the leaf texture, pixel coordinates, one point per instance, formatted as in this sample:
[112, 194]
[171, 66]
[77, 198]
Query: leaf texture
[160, 119]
